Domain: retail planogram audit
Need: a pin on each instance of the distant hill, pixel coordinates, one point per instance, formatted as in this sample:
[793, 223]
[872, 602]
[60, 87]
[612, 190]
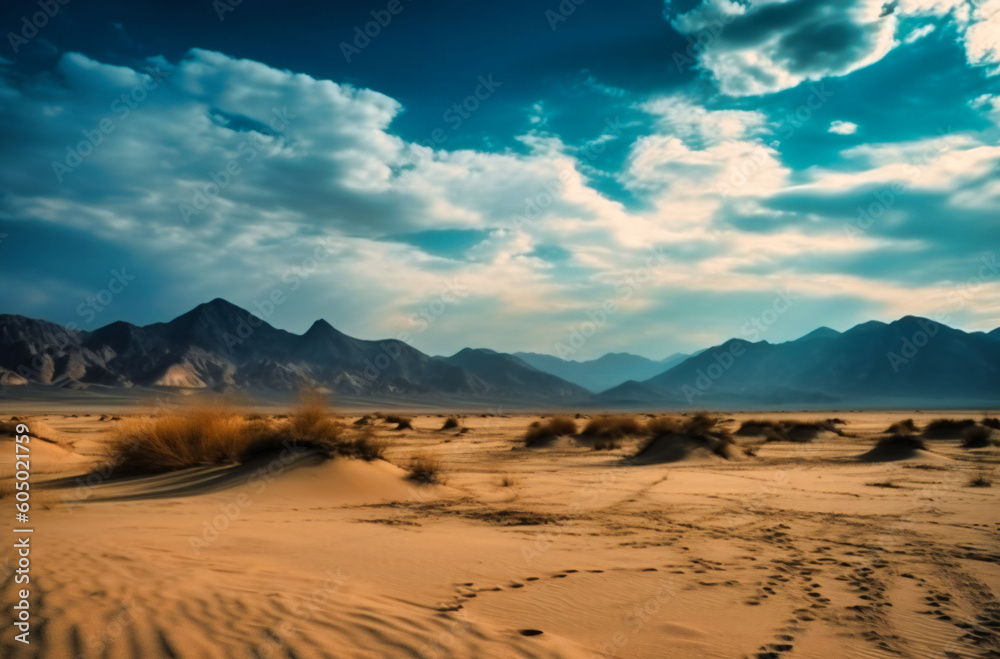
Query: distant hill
[604, 372]
[218, 345]
[909, 361]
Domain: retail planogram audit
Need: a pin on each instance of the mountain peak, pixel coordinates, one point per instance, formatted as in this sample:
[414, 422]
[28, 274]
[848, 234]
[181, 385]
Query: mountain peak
[820, 333]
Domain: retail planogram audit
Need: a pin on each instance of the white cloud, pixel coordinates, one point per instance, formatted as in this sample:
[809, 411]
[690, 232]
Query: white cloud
[839, 127]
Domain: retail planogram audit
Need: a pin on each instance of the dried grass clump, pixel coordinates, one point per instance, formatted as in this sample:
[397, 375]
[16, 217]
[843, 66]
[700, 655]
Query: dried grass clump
[788, 431]
[947, 428]
[212, 435]
[991, 422]
[902, 442]
[367, 446]
[395, 418]
[664, 425]
[612, 427]
[902, 427]
[700, 430]
[451, 422]
[977, 437]
[550, 427]
[982, 480]
[508, 480]
[404, 424]
[606, 444]
[425, 469]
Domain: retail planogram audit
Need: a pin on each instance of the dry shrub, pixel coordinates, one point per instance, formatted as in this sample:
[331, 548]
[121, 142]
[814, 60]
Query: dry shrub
[612, 427]
[404, 423]
[395, 418]
[977, 437]
[209, 435]
[606, 444]
[700, 430]
[450, 422]
[788, 431]
[366, 446]
[981, 480]
[902, 442]
[663, 425]
[425, 469]
[991, 422]
[507, 480]
[902, 427]
[551, 427]
[947, 428]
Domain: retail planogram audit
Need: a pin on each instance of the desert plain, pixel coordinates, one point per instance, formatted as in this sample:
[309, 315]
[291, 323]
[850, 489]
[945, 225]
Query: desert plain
[783, 549]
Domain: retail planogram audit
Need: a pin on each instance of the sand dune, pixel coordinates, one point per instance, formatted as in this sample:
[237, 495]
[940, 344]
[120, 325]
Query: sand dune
[799, 551]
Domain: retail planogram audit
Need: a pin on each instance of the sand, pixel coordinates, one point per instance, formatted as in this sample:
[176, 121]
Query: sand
[803, 550]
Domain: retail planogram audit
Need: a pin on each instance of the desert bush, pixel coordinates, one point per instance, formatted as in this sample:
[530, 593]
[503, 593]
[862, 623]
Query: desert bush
[508, 480]
[944, 428]
[981, 480]
[612, 427]
[365, 420]
[395, 418]
[367, 446]
[663, 425]
[700, 423]
[788, 431]
[976, 437]
[901, 441]
[902, 427]
[606, 443]
[991, 422]
[425, 469]
[208, 435]
[551, 427]
[450, 422]
[404, 423]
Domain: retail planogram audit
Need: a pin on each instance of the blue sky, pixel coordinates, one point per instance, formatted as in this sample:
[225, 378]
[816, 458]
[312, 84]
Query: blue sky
[555, 177]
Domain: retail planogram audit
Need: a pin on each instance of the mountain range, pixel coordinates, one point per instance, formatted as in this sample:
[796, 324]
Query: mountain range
[218, 345]
[604, 372]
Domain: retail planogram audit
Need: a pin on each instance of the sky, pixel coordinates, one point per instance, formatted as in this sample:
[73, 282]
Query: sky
[568, 177]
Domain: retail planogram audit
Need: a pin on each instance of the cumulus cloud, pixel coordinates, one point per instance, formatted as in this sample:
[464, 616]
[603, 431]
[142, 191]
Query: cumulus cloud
[238, 178]
[839, 127]
[763, 47]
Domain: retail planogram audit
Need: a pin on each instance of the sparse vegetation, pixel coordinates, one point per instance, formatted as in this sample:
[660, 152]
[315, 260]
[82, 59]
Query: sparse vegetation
[208, 435]
[508, 480]
[991, 422]
[788, 431]
[981, 480]
[425, 469]
[977, 437]
[395, 418]
[700, 430]
[947, 428]
[612, 427]
[886, 484]
[451, 422]
[404, 423]
[606, 444]
[902, 442]
[902, 427]
[550, 427]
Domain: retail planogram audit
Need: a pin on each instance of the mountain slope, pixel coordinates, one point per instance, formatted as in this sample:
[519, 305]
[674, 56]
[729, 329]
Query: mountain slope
[219, 345]
[912, 359]
[602, 373]
[511, 376]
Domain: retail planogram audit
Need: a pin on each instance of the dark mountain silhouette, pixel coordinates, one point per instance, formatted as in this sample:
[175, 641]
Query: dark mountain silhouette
[604, 372]
[512, 374]
[219, 345]
[912, 360]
